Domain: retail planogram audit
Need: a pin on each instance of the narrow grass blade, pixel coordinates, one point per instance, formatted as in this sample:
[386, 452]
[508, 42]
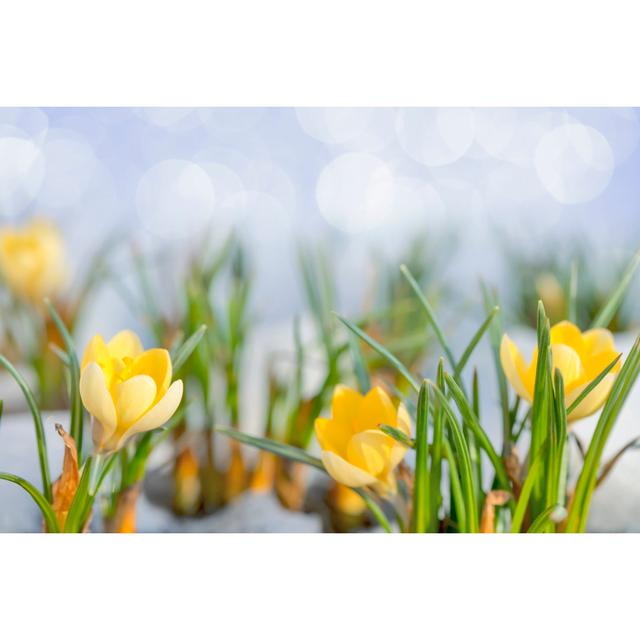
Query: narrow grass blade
[375, 509]
[420, 516]
[376, 346]
[471, 420]
[76, 428]
[550, 516]
[430, 315]
[43, 504]
[577, 520]
[458, 503]
[592, 385]
[82, 501]
[572, 307]
[283, 450]
[187, 348]
[61, 354]
[525, 493]
[474, 341]
[495, 336]
[611, 306]
[610, 464]
[435, 469]
[37, 421]
[398, 435]
[463, 459]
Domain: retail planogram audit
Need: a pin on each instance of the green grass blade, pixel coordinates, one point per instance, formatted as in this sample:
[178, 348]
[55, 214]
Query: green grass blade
[458, 503]
[430, 315]
[545, 521]
[398, 435]
[82, 501]
[420, 519]
[435, 469]
[525, 492]
[474, 341]
[572, 306]
[43, 504]
[76, 430]
[577, 520]
[592, 385]
[495, 336]
[187, 348]
[376, 346]
[473, 423]
[463, 458]
[39, 427]
[611, 306]
[280, 449]
[375, 509]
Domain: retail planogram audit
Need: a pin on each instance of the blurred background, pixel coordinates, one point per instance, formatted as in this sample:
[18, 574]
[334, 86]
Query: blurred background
[492, 188]
[323, 205]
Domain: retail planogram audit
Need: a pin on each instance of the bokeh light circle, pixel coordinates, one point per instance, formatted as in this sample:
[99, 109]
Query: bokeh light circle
[435, 137]
[175, 198]
[355, 192]
[574, 163]
[70, 167]
[22, 167]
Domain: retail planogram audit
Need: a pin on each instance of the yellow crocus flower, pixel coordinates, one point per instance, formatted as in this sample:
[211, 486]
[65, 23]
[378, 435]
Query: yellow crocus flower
[355, 452]
[580, 357]
[127, 390]
[33, 261]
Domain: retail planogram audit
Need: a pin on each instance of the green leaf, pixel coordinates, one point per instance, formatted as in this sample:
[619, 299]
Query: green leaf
[471, 420]
[572, 310]
[495, 336]
[552, 514]
[592, 385]
[280, 449]
[82, 501]
[420, 519]
[187, 348]
[43, 504]
[611, 306]
[37, 421]
[382, 351]
[435, 469]
[463, 459]
[525, 492]
[577, 520]
[430, 316]
[474, 341]
[76, 429]
[398, 435]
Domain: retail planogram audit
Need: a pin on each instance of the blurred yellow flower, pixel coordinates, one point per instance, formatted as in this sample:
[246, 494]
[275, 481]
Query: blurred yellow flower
[355, 452]
[126, 389]
[580, 357]
[33, 261]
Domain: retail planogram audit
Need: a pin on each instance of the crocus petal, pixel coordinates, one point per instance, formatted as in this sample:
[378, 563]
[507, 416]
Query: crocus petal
[568, 362]
[157, 364]
[593, 401]
[97, 399]
[159, 413]
[597, 340]
[133, 398]
[333, 435]
[125, 344]
[95, 351]
[376, 409]
[568, 334]
[514, 367]
[344, 472]
[345, 404]
[370, 450]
